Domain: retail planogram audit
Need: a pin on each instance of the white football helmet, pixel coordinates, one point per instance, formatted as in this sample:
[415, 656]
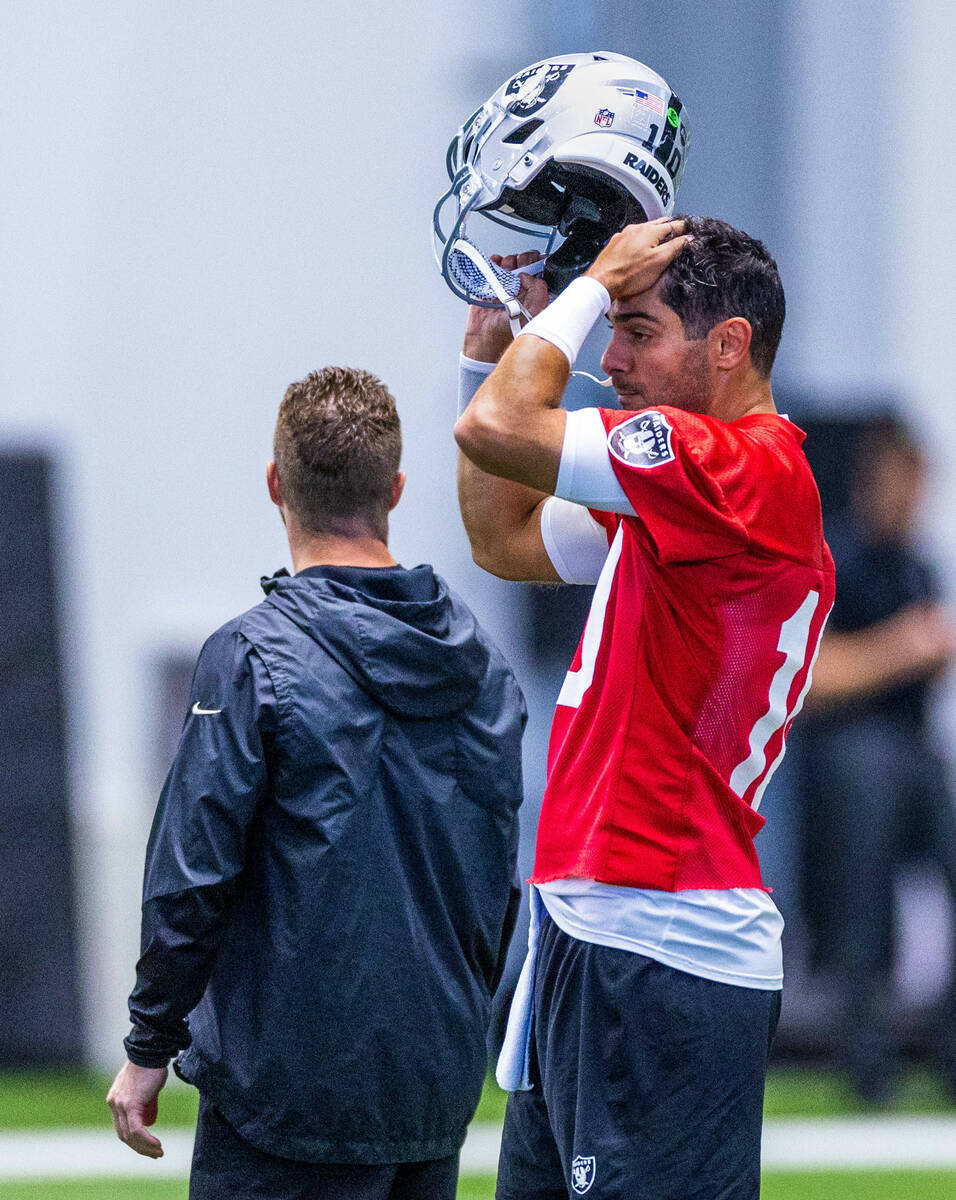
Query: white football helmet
[573, 148]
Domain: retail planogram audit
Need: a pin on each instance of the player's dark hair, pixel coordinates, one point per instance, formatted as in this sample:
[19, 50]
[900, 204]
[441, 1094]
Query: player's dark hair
[337, 447]
[723, 273]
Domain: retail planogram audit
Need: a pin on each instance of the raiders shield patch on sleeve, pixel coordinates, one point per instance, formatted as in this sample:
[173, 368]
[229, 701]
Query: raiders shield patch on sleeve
[643, 441]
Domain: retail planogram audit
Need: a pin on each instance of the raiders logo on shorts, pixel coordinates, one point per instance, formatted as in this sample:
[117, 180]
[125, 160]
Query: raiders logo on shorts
[582, 1173]
[643, 441]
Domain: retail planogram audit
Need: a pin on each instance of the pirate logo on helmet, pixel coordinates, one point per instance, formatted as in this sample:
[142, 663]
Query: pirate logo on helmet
[532, 89]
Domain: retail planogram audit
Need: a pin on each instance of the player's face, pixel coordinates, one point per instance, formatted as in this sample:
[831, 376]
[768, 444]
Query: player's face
[651, 361]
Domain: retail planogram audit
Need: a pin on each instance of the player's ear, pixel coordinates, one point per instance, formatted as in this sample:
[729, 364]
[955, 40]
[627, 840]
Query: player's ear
[398, 486]
[731, 340]
[272, 482]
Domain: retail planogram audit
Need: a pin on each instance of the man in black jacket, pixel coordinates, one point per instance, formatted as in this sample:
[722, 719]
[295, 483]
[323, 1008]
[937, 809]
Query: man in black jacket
[329, 878]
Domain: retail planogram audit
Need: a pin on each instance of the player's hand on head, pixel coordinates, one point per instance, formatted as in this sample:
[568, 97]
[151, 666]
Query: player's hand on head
[488, 330]
[634, 259]
[133, 1101]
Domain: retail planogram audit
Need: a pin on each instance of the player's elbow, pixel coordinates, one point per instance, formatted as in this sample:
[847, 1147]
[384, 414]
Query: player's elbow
[474, 436]
[483, 438]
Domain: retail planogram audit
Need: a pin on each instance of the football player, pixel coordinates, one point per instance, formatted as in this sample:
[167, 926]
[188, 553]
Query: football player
[638, 1038]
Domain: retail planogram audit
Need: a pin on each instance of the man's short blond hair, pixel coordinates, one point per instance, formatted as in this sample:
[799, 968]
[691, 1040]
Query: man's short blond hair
[337, 448]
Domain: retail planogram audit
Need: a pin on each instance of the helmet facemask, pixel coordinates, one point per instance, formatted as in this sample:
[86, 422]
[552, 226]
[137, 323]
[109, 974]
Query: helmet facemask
[465, 264]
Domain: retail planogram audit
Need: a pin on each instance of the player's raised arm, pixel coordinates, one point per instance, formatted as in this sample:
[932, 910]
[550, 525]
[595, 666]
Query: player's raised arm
[502, 517]
[512, 431]
[568, 151]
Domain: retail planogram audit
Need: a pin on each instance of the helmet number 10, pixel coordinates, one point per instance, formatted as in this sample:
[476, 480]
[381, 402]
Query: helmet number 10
[673, 161]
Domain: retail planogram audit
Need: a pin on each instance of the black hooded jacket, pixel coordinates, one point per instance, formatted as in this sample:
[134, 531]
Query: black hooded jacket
[329, 879]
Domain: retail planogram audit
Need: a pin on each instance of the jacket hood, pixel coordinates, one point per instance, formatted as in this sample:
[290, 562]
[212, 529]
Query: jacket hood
[402, 635]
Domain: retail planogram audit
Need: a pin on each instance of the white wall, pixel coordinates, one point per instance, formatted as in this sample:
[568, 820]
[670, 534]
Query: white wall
[924, 287]
[868, 247]
[839, 183]
[203, 202]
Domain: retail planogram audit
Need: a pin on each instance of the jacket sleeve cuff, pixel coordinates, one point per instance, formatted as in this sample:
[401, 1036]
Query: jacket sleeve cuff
[148, 1047]
[146, 1058]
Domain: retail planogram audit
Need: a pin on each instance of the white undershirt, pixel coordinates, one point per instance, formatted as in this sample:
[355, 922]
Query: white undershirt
[729, 935]
[585, 474]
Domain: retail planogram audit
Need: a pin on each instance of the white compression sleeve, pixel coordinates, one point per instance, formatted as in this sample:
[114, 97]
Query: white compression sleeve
[471, 375]
[585, 475]
[568, 320]
[576, 544]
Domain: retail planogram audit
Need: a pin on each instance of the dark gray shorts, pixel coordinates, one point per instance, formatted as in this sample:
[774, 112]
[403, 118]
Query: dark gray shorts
[648, 1082]
[226, 1167]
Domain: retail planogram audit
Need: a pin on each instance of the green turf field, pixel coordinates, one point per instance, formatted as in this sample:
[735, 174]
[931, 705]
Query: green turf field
[858, 1185]
[811, 1093]
[39, 1100]
[473, 1188]
[831, 1185]
[42, 1100]
[57, 1099]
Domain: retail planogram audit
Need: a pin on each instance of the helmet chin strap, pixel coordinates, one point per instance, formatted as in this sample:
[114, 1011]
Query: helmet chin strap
[511, 304]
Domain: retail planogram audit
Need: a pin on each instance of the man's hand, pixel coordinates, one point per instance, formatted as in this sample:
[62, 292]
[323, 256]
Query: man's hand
[134, 1105]
[488, 332]
[920, 638]
[634, 259]
[916, 644]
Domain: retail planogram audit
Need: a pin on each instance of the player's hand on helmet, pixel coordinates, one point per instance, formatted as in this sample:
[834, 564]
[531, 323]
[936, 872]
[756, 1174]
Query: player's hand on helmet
[634, 259]
[488, 332]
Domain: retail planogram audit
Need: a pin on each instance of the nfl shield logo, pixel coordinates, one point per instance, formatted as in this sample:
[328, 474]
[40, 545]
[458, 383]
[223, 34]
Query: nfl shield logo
[604, 117]
[582, 1173]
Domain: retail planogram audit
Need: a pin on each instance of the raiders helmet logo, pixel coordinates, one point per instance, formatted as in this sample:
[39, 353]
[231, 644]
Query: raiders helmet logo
[644, 441]
[532, 89]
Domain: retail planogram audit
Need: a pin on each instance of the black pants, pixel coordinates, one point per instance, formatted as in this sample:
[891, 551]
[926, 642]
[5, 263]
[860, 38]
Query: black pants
[648, 1082]
[226, 1167]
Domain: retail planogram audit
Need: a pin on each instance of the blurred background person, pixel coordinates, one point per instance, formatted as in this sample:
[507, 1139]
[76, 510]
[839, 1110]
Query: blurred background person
[877, 793]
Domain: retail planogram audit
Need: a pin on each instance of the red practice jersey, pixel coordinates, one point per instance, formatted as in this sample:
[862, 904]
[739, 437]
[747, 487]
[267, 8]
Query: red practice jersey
[695, 658]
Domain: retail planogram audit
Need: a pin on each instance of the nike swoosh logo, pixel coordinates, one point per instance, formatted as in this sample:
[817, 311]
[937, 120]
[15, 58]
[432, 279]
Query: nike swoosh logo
[201, 712]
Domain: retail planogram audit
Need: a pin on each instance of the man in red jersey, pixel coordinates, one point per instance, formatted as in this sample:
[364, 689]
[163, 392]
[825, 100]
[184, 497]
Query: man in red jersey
[638, 1039]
